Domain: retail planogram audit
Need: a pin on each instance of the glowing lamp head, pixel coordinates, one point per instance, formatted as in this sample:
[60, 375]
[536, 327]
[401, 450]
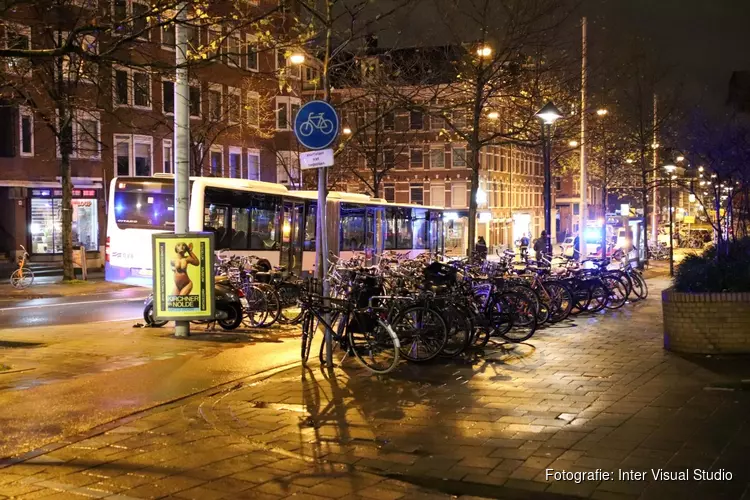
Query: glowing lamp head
[493, 115]
[670, 168]
[484, 51]
[347, 131]
[629, 161]
[680, 159]
[602, 112]
[297, 58]
[549, 114]
[700, 169]
[573, 144]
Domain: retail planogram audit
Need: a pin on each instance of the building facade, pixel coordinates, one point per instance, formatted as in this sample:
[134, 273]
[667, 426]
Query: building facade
[243, 97]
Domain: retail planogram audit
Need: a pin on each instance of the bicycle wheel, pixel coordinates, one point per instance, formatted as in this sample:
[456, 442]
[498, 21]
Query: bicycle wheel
[256, 308]
[561, 301]
[640, 288]
[421, 331]
[309, 326]
[624, 279]
[378, 350]
[598, 296]
[148, 317]
[273, 305]
[523, 317]
[498, 317]
[290, 310]
[460, 328]
[22, 278]
[617, 293]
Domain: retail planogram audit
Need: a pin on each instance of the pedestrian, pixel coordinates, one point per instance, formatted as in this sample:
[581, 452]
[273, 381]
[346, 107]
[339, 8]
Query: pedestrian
[576, 248]
[524, 247]
[481, 248]
[540, 246]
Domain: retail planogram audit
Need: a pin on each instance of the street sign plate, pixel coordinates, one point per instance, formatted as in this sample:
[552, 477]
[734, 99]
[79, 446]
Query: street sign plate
[316, 125]
[316, 159]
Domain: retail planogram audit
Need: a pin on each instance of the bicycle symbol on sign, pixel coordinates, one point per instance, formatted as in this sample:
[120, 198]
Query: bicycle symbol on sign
[316, 121]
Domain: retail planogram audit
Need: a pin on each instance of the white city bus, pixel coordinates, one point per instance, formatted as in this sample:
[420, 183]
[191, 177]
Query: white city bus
[256, 218]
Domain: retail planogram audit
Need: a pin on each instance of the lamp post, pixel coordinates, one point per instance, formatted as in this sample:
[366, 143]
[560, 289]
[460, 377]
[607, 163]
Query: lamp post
[548, 115]
[605, 164]
[670, 172]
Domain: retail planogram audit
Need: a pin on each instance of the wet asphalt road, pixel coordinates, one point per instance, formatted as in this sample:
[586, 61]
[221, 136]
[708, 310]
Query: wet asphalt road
[111, 306]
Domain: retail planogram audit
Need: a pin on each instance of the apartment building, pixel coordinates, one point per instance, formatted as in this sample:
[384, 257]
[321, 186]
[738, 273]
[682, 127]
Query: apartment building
[241, 115]
[405, 156]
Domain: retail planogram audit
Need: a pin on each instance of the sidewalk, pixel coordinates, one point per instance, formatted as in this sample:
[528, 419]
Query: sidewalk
[58, 289]
[596, 393]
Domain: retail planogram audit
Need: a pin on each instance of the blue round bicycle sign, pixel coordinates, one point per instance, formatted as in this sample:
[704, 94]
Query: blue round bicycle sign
[316, 125]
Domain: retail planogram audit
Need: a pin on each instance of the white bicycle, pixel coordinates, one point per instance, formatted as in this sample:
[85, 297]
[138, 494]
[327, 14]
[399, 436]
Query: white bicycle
[316, 121]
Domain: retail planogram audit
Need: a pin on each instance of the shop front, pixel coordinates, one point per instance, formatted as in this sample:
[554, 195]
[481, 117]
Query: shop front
[45, 220]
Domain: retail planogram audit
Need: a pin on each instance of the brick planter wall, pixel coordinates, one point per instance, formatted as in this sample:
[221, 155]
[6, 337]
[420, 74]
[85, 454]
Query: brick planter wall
[706, 323]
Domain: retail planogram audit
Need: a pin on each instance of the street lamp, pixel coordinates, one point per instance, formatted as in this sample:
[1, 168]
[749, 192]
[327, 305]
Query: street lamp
[297, 58]
[601, 112]
[549, 114]
[346, 131]
[605, 179]
[484, 51]
[680, 159]
[573, 144]
[493, 115]
[670, 170]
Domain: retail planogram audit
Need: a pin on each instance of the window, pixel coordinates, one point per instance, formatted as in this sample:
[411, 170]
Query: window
[352, 227]
[26, 131]
[437, 195]
[86, 133]
[132, 88]
[458, 196]
[45, 227]
[416, 120]
[287, 168]
[133, 155]
[141, 90]
[166, 155]
[142, 155]
[234, 50]
[437, 157]
[253, 165]
[217, 160]
[280, 60]
[120, 13]
[76, 68]
[389, 158]
[168, 31]
[251, 53]
[121, 88]
[459, 157]
[234, 105]
[311, 78]
[253, 109]
[195, 101]
[286, 110]
[235, 162]
[214, 42]
[416, 194]
[420, 225]
[122, 155]
[389, 121]
[389, 193]
[459, 119]
[437, 122]
[140, 20]
[167, 97]
[214, 103]
[415, 158]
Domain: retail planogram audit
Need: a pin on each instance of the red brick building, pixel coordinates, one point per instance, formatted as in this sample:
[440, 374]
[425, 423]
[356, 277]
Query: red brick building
[242, 102]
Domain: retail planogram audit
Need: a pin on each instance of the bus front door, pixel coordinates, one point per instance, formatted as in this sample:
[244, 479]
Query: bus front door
[291, 237]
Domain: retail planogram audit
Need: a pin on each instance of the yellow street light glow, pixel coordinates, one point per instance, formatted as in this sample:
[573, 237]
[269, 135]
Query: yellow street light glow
[629, 160]
[670, 168]
[573, 144]
[680, 158]
[493, 115]
[601, 112]
[297, 58]
[484, 51]
[700, 169]
[347, 131]
[655, 145]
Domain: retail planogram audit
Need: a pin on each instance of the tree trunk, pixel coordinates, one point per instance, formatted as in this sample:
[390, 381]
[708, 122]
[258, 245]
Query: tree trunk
[474, 165]
[66, 147]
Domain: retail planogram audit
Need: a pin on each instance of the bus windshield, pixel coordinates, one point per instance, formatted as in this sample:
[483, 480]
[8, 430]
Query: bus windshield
[144, 205]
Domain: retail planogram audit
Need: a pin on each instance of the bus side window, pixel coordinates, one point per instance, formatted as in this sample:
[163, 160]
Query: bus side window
[240, 227]
[311, 220]
[215, 220]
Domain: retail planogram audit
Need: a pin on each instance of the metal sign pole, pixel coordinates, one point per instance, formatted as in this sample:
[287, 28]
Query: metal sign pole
[181, 139]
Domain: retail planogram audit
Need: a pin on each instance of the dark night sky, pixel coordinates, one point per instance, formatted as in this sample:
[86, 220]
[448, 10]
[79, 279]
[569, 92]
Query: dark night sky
[701, 41]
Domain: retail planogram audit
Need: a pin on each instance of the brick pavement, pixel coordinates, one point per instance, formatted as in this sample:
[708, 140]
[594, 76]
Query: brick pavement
[597, 393]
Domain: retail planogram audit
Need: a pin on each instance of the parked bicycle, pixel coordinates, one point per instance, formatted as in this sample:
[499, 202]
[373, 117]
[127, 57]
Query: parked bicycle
[23, 277]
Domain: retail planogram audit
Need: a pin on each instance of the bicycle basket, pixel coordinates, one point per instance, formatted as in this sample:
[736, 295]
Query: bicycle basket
[437, 274]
